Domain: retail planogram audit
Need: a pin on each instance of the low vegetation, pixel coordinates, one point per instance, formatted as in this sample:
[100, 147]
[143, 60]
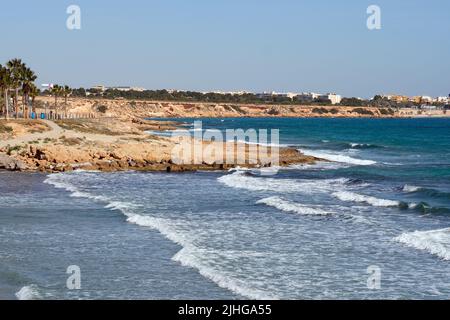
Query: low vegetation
[362, 111]
[4, 128]
[92, 126]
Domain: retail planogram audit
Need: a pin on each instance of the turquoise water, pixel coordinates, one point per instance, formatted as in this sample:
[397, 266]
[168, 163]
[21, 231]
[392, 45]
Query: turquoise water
[309, 232]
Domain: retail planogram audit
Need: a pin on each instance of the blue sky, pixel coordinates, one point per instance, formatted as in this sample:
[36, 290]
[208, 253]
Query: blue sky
[257, 45]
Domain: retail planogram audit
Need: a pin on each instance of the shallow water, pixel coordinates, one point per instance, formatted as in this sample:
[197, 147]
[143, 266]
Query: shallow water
[309, 232]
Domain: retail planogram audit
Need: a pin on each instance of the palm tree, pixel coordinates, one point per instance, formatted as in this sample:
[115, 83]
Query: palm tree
[56, 90]
[34, 92]
[5, 86]
[17, 67]
[27, 85]
[66, 91]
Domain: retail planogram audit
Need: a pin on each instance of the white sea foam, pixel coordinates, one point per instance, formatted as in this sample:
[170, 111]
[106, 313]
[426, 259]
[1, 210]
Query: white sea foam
[240, 180]
[297, 208]
[410, 189]
[193, 257]
[274, 145]
[188, 256]
[354, 197]
[124, 207]
[336, 157]
[436, 242]
[320, 165]
[361, 145]
[292, 207]
[29, 293]
[58, 180]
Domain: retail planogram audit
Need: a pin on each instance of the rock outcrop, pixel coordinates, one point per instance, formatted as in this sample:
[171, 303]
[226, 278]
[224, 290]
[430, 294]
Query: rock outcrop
[11, 164]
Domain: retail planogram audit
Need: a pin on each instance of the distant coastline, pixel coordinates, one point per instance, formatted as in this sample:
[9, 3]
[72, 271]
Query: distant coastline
[174, 109]
[115, 137]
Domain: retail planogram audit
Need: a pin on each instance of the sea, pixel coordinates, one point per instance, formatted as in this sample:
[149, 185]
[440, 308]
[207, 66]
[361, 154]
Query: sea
[371, 222]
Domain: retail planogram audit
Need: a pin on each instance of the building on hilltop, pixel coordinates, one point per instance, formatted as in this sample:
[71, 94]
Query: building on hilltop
[103, 88]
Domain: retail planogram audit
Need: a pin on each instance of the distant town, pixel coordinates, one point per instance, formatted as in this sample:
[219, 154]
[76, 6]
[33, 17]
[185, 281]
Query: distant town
[128, 92]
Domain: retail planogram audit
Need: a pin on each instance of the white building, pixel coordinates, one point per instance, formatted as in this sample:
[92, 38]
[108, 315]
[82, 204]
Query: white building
[126, 89]
[233, 93]
[443, 99]
[307, 96]
[103, 88]
[334, 98]
[273, 94]
[426, 99]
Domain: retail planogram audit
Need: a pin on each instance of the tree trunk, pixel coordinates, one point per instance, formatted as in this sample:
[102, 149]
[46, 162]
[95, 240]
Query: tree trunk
[16, 102]
[7, 104]
[24, 106]
[32, 105]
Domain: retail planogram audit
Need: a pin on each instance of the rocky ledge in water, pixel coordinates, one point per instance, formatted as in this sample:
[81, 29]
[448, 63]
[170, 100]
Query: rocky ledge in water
[66, 159]
[119, 145]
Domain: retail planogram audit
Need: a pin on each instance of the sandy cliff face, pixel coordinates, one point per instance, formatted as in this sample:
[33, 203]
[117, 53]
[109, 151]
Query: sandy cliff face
[130, 109]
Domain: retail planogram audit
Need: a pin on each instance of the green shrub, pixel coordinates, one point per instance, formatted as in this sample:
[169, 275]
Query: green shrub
[363, 111]
[320, 110]
[102, 109]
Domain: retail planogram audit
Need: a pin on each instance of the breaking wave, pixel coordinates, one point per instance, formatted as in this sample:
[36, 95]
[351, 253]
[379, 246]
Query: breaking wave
[292, 207]
[425, 208]
[189, 256]
[410, 189]
[436, 242]
[30, 292]
[335, 157]
[429, 192]
[355, 197]
[242, 180]
[364, 146]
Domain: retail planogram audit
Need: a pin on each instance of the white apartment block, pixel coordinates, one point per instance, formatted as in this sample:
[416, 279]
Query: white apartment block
[443, 99]
[334, 98]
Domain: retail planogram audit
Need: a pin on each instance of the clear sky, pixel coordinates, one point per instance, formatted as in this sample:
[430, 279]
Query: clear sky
[257, 45]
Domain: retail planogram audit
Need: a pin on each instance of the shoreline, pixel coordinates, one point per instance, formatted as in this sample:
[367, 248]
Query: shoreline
[121, 144]
[109, 145]
[178, 109]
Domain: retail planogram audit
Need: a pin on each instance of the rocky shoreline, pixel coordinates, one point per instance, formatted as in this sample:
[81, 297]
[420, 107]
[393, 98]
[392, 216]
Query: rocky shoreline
[11, 164]
[119, 145]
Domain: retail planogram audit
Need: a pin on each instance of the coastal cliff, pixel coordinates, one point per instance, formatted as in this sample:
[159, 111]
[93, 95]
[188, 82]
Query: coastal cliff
[157, 109]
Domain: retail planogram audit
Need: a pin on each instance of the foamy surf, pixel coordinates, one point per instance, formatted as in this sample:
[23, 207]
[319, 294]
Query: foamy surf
[194, 257]
[348, 196]
[335, 157]
[319, 166]
[292, 207]
[188, 256]
[300, 209]
[435, 242]
[241, 180]
[30, 292]
[363, 146]
[410, 189]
